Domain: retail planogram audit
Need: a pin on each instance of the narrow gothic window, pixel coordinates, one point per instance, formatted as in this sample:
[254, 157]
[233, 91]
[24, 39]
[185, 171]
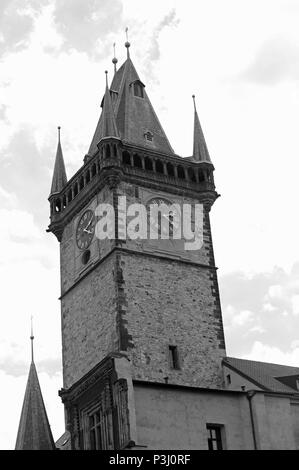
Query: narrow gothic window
[214, 437]
[174, 357]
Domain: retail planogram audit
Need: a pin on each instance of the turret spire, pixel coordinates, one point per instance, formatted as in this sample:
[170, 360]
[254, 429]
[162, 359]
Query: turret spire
[200, 149]
[108, 123]
[59, 179]
[34, 431]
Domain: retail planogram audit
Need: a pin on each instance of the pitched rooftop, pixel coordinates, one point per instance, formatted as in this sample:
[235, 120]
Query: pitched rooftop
[134, 114]
[59, 179]
[34, 429]
[267, 376]
[200, 149]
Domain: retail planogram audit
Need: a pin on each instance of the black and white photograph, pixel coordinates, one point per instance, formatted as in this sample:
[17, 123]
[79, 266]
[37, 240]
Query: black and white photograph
[149, 262]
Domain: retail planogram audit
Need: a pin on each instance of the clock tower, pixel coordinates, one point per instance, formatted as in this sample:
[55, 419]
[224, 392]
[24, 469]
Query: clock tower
[134, 311]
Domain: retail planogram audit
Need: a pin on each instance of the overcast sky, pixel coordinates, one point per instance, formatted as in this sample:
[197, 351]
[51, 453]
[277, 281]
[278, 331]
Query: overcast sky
[241, 59]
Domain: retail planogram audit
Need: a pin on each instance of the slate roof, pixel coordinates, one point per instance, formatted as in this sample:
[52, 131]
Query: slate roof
[263, 374]
[134, 115]
[59, 179]
[34, 430]
[200, 149]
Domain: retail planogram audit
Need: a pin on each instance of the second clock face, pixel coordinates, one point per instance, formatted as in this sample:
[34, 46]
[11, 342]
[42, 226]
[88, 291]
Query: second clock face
[85, 230]
[156, 225]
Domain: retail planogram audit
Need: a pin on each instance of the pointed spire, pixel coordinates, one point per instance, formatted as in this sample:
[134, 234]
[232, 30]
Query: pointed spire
[109, 128]
[127, 43]
[200, 149]
[133, 113]
[34, 431]
[59, 179]
[114, 60]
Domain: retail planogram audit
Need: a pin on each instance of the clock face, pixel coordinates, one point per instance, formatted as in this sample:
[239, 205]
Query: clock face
[155, 223]
[85, 230]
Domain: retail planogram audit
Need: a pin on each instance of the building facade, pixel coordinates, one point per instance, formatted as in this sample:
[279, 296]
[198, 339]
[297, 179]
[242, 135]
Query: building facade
[144, 360]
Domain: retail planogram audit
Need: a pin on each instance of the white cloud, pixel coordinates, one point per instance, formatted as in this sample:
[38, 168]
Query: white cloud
[18, 225]
[265, 353]
[242, 318]
[295, 304]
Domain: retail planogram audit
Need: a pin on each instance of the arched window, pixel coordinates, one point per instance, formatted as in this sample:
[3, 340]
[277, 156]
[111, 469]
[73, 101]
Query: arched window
[159, 167]
[201, 176]
[181, 173]
[115, 150]
[87, 177]
[126, 157]
[148, 164]
[108, 151]
[137, 161]
[191, 175]
[69, 196]
[81, 183]
[57, 205]
[76, 189]
[170, 169]
[93, 170]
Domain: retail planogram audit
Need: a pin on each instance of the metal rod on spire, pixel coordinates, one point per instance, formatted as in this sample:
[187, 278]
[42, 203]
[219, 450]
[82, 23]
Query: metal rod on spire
[127, 43]
[59, 128]
[32, 338]
[114, 60]
[106, 72]
[193, 96]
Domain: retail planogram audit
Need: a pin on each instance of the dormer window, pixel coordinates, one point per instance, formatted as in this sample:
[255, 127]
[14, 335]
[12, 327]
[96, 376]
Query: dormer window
[138, 90]
[148, 136]
[138, 87]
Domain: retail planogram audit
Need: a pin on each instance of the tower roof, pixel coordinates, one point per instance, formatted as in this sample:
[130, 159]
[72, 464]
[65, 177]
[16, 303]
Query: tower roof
[59, 179]
[134, 114]
[34, 429]
[107, 124]
[200, 149]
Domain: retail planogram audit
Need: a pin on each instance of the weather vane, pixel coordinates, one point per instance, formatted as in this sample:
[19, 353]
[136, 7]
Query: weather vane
[114, 60]
[31, 338]
[127, 44]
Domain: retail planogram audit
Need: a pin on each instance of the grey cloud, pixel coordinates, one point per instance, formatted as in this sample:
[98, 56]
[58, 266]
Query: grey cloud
[169, 20]
[16, 22]
[276, 61]
[276, 325]
[24, 171]
[3, 110]
[83, 23]
[17, 369]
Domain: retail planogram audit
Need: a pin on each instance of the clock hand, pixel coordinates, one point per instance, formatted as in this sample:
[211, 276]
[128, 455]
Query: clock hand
[88, 224]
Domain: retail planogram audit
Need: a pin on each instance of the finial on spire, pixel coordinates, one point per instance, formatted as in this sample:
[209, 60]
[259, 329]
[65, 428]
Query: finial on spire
[114, 60]
[127, 43]
[193, 96]
[32, 338]
[106, 72]
[59, 128]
